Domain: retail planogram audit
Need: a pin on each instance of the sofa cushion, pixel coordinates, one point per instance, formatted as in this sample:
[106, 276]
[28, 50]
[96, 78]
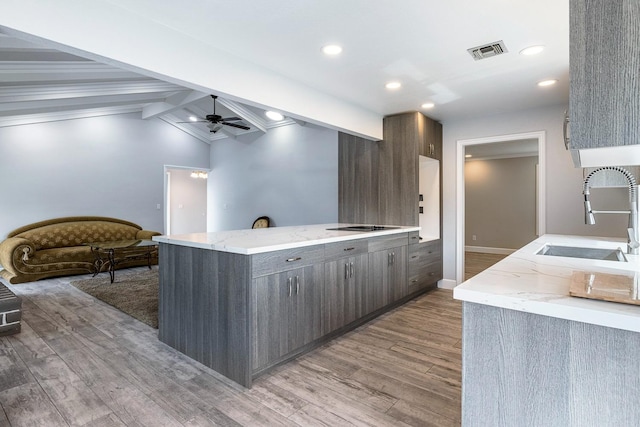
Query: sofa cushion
[70, 234]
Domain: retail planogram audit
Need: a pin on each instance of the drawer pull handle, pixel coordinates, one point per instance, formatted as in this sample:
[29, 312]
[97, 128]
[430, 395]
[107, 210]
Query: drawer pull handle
[294, 259]
[414, 281]
[348, 249]
[414, 257]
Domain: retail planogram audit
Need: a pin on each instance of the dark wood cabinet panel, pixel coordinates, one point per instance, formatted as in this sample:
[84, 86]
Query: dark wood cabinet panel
[344, 288]
[387, 278]
[204, 307]
[604, 95]
[425, 266]
[357, 180]
[288, 313]
[398, 170]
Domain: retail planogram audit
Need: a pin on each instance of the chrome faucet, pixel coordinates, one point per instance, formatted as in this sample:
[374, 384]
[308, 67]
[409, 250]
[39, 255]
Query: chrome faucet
[633, 240]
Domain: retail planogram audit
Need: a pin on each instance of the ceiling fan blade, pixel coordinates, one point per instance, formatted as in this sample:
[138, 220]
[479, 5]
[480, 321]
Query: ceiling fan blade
[231, 119]
[236, 125]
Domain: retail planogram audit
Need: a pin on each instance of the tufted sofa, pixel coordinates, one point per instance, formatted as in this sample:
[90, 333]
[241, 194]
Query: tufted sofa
[56, 247]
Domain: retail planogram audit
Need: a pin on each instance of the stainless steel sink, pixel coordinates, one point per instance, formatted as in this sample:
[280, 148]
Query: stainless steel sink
[586, 253]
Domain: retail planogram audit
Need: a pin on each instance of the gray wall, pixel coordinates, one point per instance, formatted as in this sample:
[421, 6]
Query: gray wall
[289, 174]
[107, 166]
[564, 182]
[500, 202]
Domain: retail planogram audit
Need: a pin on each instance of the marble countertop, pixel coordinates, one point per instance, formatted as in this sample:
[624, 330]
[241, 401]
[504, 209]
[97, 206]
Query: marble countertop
[540, 284]
[261, 240]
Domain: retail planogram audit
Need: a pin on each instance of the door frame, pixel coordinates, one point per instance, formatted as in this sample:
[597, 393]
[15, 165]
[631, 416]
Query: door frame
[167, 191]
[460, 196]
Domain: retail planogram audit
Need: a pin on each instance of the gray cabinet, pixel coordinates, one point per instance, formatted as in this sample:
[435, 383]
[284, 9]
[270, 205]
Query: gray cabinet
[387, 271]
[425, 265]
[357, 180]
[604, 95]
[287, 312]
[344, 288]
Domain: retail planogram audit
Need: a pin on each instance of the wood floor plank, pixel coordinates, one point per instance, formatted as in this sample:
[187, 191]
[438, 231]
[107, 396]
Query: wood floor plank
[428, 399]
[314, 416]
[419, 416]
[29, 405]
[335, 403]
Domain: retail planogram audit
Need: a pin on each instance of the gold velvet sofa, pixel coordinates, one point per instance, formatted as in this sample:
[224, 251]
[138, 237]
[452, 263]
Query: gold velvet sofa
[57, 247]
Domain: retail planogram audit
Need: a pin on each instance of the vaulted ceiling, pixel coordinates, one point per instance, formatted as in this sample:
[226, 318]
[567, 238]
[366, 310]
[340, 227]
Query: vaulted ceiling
[39, 84]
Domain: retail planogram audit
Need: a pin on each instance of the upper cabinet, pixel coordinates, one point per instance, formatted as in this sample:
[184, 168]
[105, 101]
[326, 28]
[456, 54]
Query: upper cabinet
[604, 101]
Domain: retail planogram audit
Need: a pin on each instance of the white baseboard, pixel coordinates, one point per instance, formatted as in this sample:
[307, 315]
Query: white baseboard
[447, 284]
[485, 250]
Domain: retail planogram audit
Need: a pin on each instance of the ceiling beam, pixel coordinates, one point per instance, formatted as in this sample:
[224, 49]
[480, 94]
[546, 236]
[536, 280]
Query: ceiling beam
[253, 119]
[68, 104]
[174, 102]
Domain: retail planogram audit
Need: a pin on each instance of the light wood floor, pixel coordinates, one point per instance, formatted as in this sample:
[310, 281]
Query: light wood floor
[80, 362]
[475, 262]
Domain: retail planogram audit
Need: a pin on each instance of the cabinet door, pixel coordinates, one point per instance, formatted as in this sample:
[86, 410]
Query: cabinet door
[287, 313]
[387, 279]
[271, 302]
[398, 274]
[305, 310]
[345, 282]
[604, 97]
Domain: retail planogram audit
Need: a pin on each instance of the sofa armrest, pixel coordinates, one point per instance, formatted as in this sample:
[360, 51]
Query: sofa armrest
[146, 234]
[12, 248]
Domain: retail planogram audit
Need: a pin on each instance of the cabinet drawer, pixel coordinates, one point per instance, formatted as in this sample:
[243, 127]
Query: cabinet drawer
[414, 237]
[334, 251]
[287, 259]
[425, 265]
[387, 242]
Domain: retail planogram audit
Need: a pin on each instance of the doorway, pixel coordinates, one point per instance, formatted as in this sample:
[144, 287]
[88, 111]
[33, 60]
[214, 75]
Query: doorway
[185, 199]
[509, 144]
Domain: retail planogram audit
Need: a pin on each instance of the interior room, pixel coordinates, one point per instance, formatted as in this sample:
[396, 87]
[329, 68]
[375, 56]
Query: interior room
[288, 188]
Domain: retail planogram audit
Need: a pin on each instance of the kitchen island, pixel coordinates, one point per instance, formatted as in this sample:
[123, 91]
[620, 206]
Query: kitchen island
[535, 356]
[242, 302]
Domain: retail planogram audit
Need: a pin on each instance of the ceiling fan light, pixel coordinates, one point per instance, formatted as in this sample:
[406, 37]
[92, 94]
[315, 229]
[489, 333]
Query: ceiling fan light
[274, 115]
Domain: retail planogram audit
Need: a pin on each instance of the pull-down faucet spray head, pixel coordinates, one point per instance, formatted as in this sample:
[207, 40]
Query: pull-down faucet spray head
[589, 217]
[633, 241]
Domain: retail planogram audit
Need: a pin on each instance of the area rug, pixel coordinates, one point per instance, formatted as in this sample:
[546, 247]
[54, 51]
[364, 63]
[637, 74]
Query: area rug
[133, 293]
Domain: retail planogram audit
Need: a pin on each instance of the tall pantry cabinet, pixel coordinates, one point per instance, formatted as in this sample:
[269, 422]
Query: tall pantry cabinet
[379, 184]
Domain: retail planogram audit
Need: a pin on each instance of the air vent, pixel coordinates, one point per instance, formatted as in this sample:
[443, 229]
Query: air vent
[488, 50]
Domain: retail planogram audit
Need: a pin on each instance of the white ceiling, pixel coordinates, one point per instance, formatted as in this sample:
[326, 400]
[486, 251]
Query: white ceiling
[422, 43]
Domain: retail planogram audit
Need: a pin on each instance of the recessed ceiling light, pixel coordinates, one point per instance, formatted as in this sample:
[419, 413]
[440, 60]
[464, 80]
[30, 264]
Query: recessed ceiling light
[547, 82]
[428, 105]
[193, 118]
[468, 156]
[332, 49]
[393, 85]
[532, 50]
[273, 115]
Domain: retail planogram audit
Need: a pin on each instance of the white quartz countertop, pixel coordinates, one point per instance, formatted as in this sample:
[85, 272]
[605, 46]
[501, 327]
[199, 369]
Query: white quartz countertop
[540, 284]
[261, 240]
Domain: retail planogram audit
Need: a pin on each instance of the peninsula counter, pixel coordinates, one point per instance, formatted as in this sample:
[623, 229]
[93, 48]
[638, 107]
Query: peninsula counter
[242, 302]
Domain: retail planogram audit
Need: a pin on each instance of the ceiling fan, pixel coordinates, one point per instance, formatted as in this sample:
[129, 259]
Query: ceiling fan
[215, 121]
